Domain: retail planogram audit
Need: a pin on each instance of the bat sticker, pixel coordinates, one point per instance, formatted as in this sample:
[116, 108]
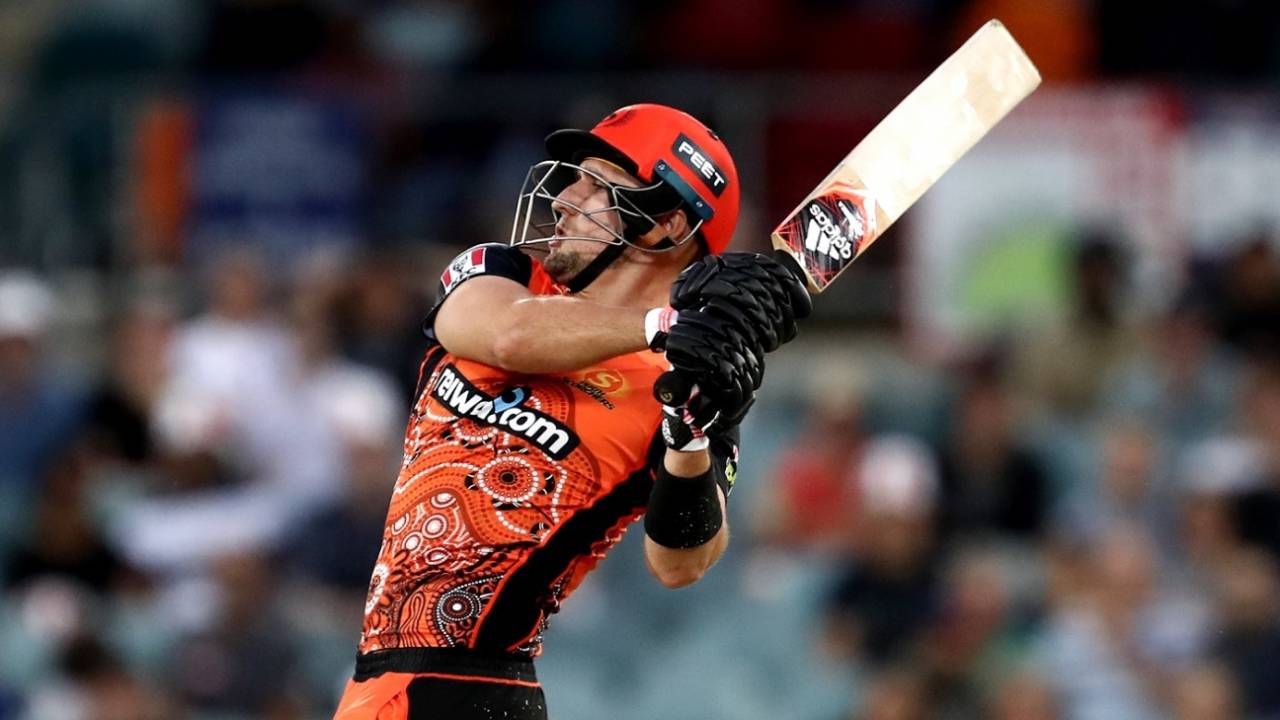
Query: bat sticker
[831, 230]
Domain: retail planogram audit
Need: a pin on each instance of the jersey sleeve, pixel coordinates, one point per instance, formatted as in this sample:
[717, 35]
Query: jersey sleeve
[488, 259]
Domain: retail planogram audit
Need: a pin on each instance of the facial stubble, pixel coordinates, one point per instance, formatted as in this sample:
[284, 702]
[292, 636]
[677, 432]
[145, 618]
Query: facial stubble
[563, 264]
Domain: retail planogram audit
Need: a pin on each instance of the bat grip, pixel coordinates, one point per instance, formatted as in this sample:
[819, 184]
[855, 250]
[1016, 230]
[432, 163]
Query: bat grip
[672, 388]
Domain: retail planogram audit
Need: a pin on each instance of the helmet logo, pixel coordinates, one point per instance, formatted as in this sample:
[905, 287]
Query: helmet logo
[701, 165]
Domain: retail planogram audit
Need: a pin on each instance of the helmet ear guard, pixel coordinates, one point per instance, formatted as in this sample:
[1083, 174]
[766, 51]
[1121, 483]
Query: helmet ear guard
[652, 202]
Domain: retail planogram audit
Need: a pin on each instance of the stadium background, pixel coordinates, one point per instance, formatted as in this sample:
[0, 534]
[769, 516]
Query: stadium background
[1023, 463]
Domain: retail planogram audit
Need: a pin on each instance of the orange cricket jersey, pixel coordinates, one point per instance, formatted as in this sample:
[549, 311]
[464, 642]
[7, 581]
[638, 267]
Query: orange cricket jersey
[511, 489]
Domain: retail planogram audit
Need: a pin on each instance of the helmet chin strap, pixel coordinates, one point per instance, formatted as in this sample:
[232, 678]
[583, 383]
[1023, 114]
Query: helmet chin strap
[588, 274]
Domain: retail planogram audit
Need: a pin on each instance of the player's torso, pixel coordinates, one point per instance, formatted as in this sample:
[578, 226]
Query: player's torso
[511, 485]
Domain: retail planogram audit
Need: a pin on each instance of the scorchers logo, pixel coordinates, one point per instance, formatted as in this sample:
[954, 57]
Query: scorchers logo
[505, 412]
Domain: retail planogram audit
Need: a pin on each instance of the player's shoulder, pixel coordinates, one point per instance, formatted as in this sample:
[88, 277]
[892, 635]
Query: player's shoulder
[486, 259]
[492, 260]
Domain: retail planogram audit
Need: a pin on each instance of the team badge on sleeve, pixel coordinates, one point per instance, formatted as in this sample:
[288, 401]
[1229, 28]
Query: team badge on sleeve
[464, 266]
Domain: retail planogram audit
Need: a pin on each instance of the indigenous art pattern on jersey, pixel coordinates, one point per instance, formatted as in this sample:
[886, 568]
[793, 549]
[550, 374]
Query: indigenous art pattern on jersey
[494, 465]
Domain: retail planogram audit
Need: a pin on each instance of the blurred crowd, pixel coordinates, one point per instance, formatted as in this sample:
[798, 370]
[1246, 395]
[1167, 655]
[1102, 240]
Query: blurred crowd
[409, 75]
[1075, 519]
[1092, 530]
[194, 530]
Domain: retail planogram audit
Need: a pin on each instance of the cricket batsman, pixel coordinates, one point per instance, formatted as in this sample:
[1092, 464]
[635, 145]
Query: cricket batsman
[535, 438]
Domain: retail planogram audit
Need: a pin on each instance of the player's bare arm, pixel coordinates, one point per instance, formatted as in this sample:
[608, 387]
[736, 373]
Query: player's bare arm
[498, 322]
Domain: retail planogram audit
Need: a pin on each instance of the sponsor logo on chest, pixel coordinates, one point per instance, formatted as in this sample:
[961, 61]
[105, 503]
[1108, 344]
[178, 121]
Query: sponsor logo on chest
[507, 412]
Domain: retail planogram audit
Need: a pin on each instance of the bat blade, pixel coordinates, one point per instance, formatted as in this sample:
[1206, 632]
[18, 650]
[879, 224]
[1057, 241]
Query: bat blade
[936, 124]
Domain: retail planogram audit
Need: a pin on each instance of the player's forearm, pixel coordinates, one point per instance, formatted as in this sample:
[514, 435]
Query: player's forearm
[680, 566]
[556, 334]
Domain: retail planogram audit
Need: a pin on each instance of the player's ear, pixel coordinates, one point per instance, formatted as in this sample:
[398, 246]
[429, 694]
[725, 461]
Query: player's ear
[675, 224]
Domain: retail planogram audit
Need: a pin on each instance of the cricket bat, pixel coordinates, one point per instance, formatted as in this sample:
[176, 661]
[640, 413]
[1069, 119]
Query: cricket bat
[905, 154]
[901, 158]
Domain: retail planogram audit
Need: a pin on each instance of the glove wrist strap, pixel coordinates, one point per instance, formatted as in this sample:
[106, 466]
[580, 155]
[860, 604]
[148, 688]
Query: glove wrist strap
[657, 323]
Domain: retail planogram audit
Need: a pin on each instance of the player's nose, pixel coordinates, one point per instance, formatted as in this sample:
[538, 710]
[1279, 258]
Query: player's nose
[563, 207]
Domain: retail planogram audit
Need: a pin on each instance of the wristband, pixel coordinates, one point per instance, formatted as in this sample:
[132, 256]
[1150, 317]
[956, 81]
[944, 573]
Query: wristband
[683, 512]
[657, 323]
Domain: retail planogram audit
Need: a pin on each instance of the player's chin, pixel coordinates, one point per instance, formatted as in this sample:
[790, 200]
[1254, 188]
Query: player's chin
[563, 263]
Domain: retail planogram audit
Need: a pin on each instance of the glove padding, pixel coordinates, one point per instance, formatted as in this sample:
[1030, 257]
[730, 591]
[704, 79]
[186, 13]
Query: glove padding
[762, 295]
[712, 352]
[685, 427]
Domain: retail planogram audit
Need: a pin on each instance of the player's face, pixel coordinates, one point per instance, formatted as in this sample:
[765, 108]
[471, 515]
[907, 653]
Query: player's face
[583, 214]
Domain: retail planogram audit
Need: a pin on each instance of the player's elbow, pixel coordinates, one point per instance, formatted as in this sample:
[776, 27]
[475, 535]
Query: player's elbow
[506, 349]
[677, 576]
[512, 350]
[676, 568]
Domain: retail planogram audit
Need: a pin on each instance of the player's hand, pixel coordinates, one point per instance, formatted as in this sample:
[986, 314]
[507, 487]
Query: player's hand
[685, 427]
[712, 353]
[755, 290]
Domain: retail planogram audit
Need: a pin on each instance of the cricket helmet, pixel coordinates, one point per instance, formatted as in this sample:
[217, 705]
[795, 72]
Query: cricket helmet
[683, 164]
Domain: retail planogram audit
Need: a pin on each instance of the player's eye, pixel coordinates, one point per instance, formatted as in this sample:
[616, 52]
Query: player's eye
[595, 182]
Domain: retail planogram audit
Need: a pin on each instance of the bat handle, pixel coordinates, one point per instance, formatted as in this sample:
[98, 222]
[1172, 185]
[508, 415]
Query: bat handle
[788, 261]
[672, 388]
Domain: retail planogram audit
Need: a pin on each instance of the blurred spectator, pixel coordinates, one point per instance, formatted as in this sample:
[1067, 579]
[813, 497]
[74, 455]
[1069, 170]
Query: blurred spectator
[92, 684]
[1249, 313]
[1257, 511]
[1023, 696]
[889, 590]
[338, 546]
[120, 408]
[1125, 491]
[1182, 380]
[1207, 693]
[1248, 604]
[235, 359]
[814, 492]
[242, 663]
[975, 636]
[93, 52]
[236, 351]
[238, 436]
[63, 542]
[381, 320]
[1111, 651]
[1213, 473]
[37, 413]
[897, 694]
[1065, 368]
[992, 482]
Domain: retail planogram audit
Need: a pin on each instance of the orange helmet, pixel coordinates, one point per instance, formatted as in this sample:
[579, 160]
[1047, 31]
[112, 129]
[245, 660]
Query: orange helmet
[659, 144]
